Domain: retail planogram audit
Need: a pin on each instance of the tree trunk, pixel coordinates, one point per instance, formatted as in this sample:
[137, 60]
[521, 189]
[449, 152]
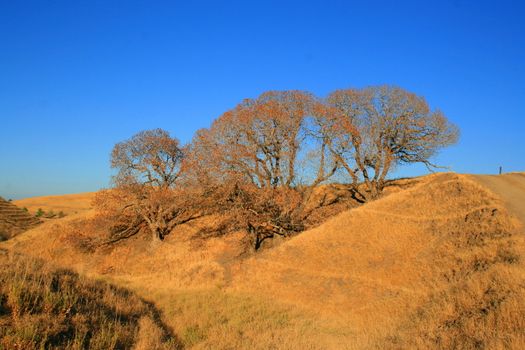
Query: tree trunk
[157, 232]
[374, 190]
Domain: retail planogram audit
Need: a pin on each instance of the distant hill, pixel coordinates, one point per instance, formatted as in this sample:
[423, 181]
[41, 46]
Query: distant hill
[67, 203]
[14, 220]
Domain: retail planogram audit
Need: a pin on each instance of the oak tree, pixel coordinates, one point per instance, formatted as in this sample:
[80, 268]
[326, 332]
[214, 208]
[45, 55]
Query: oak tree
[373, 130]
[149, 167]
[268, 149]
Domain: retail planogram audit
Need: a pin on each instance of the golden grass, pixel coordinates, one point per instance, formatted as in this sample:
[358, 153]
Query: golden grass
[436, 265]
[211, 318]
[44, 308]
[375, 266]
[68, 203]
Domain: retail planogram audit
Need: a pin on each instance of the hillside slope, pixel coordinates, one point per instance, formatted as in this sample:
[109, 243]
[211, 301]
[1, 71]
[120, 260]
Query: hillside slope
[437, 265]
[446, 242]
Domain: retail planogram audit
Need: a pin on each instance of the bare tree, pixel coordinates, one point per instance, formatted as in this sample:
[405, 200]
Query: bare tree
[150, 157]
[254, 149]
[145, 194]
[375, 129]
[261, 141]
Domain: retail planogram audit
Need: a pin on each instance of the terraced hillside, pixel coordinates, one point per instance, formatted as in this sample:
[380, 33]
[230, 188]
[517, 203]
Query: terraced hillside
[14, 220]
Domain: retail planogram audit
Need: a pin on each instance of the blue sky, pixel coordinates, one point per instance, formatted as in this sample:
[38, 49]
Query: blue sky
[78, 76]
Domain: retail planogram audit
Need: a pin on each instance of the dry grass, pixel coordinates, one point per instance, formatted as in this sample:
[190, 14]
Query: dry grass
[377, 266]
[211, 318]
[43, 308]
[68, 203]
[435, 264]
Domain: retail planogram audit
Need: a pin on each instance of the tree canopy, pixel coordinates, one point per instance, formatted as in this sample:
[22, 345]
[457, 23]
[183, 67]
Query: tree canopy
[150, 157]
[278, 146]
[148, 166]
[375, 129]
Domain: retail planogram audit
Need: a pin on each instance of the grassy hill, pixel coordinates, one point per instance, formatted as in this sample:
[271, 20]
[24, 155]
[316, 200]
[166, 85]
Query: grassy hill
[435, 266]
[437, 263]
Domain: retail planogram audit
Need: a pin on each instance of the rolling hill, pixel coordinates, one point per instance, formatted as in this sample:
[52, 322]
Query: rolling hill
[437, 264]
[68, 203]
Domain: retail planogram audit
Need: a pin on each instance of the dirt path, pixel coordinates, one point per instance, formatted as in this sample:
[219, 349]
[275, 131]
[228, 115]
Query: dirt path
[510, 187]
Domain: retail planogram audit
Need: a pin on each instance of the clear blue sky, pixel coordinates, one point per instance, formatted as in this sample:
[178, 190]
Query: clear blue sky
[78, 76]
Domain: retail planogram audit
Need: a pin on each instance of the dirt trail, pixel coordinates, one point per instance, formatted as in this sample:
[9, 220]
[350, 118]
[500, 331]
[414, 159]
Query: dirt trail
[510, 187]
